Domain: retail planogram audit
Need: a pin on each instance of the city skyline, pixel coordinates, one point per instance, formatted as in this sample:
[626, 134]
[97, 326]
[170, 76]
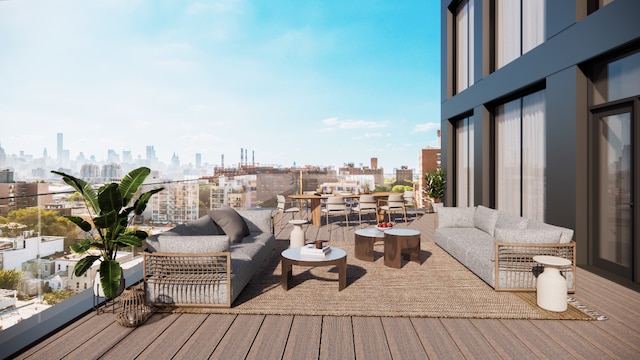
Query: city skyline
[299, 82]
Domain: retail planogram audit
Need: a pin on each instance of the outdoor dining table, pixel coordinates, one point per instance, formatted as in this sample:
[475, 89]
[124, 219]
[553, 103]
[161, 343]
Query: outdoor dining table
[315, 201]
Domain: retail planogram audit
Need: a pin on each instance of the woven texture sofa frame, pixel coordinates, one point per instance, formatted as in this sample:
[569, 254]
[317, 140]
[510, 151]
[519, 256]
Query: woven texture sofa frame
[188, 280]
[514, 263]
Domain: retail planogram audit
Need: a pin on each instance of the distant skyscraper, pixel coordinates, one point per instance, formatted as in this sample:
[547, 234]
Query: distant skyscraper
[151, 152]
[60, 146]
[198, 160]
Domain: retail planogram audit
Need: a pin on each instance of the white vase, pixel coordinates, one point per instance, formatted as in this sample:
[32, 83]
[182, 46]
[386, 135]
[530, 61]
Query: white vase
[551, 288]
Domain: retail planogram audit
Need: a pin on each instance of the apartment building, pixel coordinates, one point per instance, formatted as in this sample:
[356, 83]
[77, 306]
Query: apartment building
[540, 115]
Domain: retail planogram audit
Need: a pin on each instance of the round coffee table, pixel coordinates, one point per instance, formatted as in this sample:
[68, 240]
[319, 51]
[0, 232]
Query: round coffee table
[364, 240]
[398, 241]
[292, 256]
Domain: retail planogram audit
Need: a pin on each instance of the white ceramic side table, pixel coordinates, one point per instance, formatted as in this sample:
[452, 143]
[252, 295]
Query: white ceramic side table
[551, 286]
[297, 234]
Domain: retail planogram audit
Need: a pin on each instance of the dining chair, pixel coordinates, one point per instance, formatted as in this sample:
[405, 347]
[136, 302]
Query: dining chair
[367, 204]
[282, 209]
[394, 204]
[410, 201]
[335, 206]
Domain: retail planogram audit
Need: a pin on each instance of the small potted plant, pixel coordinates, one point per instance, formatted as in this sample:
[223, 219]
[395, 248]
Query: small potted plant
[111, 215]
[435, 183]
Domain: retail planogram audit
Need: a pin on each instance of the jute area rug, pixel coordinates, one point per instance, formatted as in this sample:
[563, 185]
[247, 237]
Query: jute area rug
[439, 287]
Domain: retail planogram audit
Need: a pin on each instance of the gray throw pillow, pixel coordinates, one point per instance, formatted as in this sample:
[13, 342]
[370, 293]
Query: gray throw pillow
[485, 219]
[527, 236]
[231, 223]
[204, 226]
[193, 244]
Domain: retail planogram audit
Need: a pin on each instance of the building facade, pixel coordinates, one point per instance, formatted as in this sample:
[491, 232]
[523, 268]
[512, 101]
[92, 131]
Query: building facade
[540, 115]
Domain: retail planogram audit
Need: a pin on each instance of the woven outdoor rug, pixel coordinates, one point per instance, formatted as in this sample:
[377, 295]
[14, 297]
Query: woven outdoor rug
[439, 287]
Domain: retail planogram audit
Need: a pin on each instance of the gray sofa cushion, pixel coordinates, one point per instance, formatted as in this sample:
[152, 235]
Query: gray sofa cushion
[231, 223]
[485, 219]
[528, 236]
[510, 221]
[204, 226]
[565, 238]
[189, 244]
[456, 217]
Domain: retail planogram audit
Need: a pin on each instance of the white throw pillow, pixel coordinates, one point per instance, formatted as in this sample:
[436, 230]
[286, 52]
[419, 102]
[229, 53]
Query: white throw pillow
[485, 219]
[456, 217]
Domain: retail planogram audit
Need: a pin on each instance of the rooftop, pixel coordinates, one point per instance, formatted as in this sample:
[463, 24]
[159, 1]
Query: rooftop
[226, 336]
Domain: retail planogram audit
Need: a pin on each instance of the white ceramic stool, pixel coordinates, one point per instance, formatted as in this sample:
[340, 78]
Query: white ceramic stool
[297, 233]
[551, 286]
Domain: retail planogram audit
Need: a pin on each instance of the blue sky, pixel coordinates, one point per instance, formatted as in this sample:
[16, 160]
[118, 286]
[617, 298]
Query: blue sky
[311, 82]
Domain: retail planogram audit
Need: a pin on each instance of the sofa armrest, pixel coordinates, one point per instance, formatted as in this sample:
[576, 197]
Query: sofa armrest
[174, 280]
[515, 269]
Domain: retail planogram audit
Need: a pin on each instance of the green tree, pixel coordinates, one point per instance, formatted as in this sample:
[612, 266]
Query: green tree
[9, 279]
[58, 296]
[51, 223]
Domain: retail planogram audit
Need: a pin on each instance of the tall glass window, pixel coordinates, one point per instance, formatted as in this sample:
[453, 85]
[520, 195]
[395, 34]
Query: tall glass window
[464, 45]
[519, 28]
[520, 156]
[464, 162]
[617, 79]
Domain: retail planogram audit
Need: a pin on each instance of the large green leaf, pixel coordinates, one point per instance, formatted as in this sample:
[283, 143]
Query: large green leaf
[81, 247]
[142, 201]
[128, 240]
[88, 193]
[109, 199]
[106, 220]
[84, 264]
[110, 273]
[131, 182]
[82, 223]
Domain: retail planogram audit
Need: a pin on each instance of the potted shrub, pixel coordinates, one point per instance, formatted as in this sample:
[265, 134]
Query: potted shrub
[435, 183]
[111, 215]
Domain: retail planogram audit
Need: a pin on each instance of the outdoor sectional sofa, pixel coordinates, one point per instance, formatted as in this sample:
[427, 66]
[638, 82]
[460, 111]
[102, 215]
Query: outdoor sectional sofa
[499, 247]
[207, 263]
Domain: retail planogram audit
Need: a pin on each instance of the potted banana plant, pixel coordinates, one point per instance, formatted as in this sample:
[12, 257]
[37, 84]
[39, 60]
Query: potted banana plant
[112, 210]
[435, 184]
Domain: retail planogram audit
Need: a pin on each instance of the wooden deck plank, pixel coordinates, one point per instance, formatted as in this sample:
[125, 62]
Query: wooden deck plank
[404, 342]
[337, 338]
[206, 338]
[64, 342]
[501, 340]
[435, 339]
[539, 343]
[367, 332]
[168, 343]
[272, 338]
[573, 343]
[470, 341]
[304, 338]
[135, 342]
[238, 340]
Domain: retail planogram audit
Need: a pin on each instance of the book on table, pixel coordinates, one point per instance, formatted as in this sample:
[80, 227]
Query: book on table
[311, 249]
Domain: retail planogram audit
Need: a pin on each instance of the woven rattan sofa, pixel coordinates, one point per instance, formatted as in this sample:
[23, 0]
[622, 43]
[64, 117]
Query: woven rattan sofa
[499, 247]
[208, 262]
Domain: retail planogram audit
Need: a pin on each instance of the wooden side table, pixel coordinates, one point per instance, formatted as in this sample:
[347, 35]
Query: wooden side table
[337, 257]
[364, 240]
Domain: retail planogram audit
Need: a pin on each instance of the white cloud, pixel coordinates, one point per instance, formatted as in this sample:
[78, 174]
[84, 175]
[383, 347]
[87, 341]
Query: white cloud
[353, 124]
[426, 127]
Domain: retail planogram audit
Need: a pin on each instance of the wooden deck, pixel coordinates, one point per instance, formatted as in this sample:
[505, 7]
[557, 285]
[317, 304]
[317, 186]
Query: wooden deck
[201, 336]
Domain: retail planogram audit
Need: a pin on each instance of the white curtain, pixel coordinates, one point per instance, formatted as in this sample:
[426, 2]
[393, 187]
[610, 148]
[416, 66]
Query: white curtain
[507, 31]
[464, 162]
[532, 24]
[508, 157]
[464, 45]
[533, 155]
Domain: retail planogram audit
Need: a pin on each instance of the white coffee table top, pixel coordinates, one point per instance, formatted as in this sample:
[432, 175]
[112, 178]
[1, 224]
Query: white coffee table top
[370, 232]
[297, 221]
[551, 260]
[402, 232]
[294, 254]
